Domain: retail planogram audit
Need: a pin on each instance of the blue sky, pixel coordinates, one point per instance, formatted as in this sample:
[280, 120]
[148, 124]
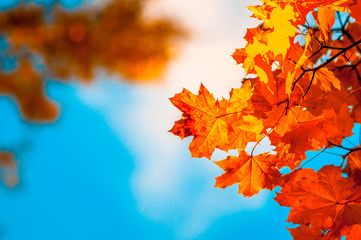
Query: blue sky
[76, 183]
[108, 168]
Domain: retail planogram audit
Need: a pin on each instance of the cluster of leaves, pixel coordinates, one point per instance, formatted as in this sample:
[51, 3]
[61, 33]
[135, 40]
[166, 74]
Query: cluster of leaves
[304, 94]
[116, 37]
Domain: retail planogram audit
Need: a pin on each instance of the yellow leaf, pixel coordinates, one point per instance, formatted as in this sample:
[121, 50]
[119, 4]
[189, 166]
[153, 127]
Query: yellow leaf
[279, 39]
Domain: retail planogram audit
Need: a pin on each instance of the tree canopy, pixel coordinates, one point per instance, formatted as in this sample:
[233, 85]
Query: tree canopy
[303, 93]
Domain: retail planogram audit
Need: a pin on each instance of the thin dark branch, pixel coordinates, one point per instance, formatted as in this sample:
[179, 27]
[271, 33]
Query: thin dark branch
[334, 57]
[309, 86]
[314, 157]
[349, 142]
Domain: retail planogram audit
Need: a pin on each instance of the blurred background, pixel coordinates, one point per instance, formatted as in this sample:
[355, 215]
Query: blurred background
[86, 152]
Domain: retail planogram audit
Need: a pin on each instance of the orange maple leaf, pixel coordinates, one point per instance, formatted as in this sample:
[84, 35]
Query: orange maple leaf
[205, 119]
[252, 173]
[330, 202]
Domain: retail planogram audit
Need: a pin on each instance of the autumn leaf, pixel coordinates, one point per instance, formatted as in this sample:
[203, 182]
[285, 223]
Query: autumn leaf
[279, 40]
[330, 202]
[252, 173]
[205, 118]
[239, 55]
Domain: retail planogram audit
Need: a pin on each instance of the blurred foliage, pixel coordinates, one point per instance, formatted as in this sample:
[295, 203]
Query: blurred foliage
[42, 44]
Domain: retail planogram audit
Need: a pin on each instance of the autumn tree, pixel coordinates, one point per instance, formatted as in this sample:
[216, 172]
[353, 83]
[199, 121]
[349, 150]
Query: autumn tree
[303, 93]
[62, 45]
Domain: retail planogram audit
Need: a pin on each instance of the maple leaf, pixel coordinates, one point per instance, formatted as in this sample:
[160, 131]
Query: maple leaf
[279, 40]
[205, 119]
[252, 173]
[330, 202]
[239, 55]
[256, 46]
